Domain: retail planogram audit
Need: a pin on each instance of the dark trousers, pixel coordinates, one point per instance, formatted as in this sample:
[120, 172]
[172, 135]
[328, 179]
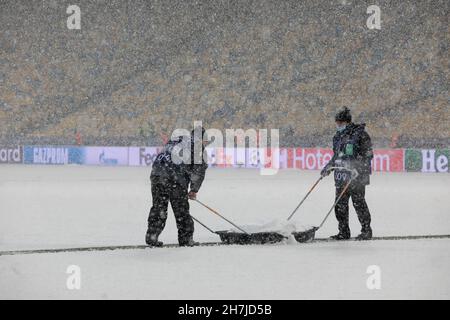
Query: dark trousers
[163, 191]
[357, 193]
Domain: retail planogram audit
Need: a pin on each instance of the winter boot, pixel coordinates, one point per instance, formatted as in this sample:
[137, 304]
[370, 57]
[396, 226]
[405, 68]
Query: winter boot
[366, 234]
[188, 242]
[152, 239]
[341, 236]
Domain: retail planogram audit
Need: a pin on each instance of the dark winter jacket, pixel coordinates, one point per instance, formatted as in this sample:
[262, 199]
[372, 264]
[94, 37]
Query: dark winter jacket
[352, 148]
[185, 173]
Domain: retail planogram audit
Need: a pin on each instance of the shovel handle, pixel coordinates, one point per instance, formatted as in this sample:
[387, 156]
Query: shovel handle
[202, 224]
[306, 196]
[335, 203]
[215, 212]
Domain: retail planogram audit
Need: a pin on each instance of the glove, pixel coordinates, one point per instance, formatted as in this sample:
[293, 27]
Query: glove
[325, 171]
[192, 195]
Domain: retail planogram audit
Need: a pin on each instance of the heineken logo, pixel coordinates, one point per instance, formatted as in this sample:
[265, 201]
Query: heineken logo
[427, 160]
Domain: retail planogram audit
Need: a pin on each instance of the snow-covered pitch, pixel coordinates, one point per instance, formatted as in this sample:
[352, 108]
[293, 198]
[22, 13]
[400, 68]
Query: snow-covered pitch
[75, 206]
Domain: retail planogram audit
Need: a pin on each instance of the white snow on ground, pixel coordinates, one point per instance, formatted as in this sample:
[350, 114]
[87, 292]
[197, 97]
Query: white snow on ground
[72, 206]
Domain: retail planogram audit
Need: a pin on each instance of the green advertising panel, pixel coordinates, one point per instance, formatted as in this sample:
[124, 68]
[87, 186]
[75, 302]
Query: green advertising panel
[427, 160]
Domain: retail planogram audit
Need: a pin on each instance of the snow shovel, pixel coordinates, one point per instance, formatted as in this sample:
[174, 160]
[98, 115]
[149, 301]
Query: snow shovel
[231, 237]
[243, 237]
[260, 237]
[308, 235]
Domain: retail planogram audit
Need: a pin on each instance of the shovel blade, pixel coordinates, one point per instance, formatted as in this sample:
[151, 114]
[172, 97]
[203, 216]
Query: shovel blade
[230, 237]
[266, 237]
[305, 236]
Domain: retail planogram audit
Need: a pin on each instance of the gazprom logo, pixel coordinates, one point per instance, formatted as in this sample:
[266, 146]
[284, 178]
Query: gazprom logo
[50, 155]
[102, 159]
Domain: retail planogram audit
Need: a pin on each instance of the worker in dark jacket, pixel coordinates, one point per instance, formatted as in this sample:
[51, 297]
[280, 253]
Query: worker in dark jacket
[352, 149]
[171, 178]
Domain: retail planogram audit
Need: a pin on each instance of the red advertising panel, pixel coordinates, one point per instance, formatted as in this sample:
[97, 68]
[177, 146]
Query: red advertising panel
[304, 158]
[388, 160]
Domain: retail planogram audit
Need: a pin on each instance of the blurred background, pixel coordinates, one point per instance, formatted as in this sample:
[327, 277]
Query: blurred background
[139, 69]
